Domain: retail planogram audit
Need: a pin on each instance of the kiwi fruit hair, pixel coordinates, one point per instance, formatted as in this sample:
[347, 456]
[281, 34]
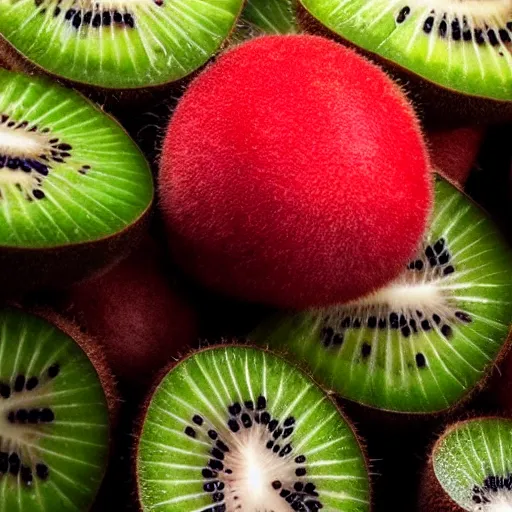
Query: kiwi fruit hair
[116, 45]
[59, 404]
[266, 192]
[139, 317]
[454, 152]
[75, 191]
[470, 468]
[424, 343]
[453, 56]
[237, 428]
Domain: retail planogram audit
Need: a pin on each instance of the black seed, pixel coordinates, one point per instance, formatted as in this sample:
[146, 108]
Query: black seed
[190, 432]
[26, 475]
[393, 321]
[436, 318]
[118, 18]
[418, 265]
[222, 446]
[345, 323]
[463, 316]
[477, 499]
[425, 325]
[19, 383]
[57, 11]
[366, 349]
[22, 415]
[298, 486]
[433, 262]
[314, 506]
[31, 383]
[276, 484]
[382, 323]
[249, 404]
[14, 464]
[246, 420]
[406, 331]
[197, 419]
[505, 36]
[87, 17]
[429, 252]
[372, 322]
[310, 487]
[265, 418]
[411, 265]
[289, 421]
[212, 434]
[446, 331]
[106, 18]
[77, 20]
[218, 454]
[448, 270]
[286, 450]
[403, 320]
[300, 471]
[338, 339]
[70, 13]
[208, 473]
[272, 425]
[270, 444]
[235, 409]
[284, 493]
[439, 246]
[456, 32]
[509, 25]
[444, 258]
[262, 403]
[217, 496]
[277, 433]
[233, 425]
[287, 432]
[403, 14]
[429, 23]
[443, 27]
[276, 448]
[96, 21]
[46, 415]
[467, 35]
[13, 163]
[11, 417]
[210, 486]
[128, 20]
[412, 324]
[493, 39]
[216, 464]
[300, 459]
[53, 371]
[479, 36]
[357, 323]
[421, 362]
[33, 416]
[327, 334]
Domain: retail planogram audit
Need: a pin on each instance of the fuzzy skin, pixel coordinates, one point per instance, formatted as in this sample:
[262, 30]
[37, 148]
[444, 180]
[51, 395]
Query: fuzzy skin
[138, 317]
[454, 152]
[294, 173]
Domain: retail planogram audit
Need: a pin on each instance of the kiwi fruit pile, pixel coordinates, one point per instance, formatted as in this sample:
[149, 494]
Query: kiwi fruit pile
[255, 256]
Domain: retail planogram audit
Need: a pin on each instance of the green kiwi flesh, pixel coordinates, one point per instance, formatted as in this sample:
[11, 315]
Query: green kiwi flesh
[237, 428]
[54, 421]
[120, 44]
[270, 16]
[424, 342]
[472, 463]
[69, 175]
[461, 45]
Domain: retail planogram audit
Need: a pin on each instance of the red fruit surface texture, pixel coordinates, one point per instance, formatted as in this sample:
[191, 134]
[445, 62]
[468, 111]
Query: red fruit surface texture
[294, 173]
[454, 152]
[132, 309]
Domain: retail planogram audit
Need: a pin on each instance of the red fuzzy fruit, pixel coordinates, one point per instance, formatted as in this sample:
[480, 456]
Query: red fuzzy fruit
[294, 173]
[454, 152]
[134, 312]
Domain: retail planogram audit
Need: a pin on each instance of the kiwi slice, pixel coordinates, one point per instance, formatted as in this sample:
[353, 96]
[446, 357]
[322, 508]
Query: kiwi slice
[73, 186]
[422, 343]
[461, 45]
[237, 428]
[270, 16]
[470, 468]
[54, 438]
[119, 44]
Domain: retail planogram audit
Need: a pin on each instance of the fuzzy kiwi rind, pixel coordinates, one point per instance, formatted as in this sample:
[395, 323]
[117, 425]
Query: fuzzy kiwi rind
[432, 99]
[63, 396]
[122, 46]
[70, 191]
[490, 480]
[238, 345]
[401, 370]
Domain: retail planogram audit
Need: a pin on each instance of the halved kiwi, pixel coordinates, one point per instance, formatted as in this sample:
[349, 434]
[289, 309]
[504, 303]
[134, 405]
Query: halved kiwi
[237, 428]
[470, 468]
[461, 46]
[74, 188]
[55, 396]
[424, 342]
[118, 44]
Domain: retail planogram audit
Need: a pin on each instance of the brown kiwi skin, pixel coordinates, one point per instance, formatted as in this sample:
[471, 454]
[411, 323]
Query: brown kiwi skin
[436, 105]
[224, 343]
[431, 495]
